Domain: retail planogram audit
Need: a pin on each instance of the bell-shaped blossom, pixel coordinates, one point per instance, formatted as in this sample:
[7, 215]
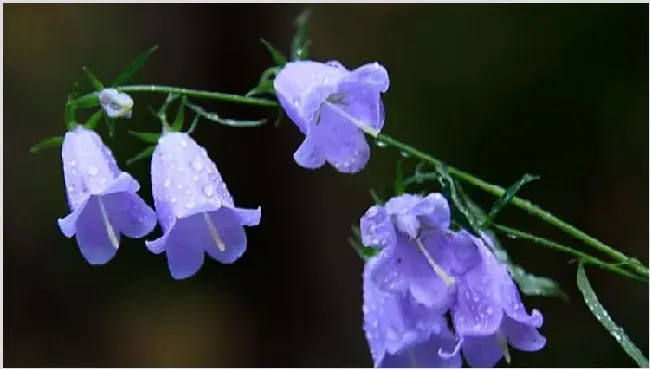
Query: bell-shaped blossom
[116, 104]
[333, 107]
[103, 200]
[420, 254]
[402, 333]
[194, 207]
[488, 314]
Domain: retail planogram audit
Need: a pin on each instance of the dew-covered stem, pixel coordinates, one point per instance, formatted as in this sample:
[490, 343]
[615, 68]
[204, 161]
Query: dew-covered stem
[586, 258]
[523, 204]
[241, 99]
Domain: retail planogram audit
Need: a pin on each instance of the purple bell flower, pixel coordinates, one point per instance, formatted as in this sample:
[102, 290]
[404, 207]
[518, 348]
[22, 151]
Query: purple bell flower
[488, 314]
[194, 207]
[333, 107]
[103, 200]
[420, 254]
[402, 333]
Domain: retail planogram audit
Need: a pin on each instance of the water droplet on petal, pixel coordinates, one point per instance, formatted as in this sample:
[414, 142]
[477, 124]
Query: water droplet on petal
[167, 183]
[73, 163]
[190, 205]
[172, 200]
[197, 164]
[92, 170]
[208, 190]
[183, 143]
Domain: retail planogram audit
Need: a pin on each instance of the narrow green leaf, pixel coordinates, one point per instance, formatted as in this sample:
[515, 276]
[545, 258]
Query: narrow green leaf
[135, 66]
[147, 137]
[91, 123]
[146, 153]
[110, 124]
[300, 44]
[508, 196]
[94, 81]
[279, 59]
[177, 126]
[278, 119]
[598, 310]
[47, 143]
[459, 212]
[195, 122]
[399, 179]
[228, 122]
[265, 87]
[376, 198]
[90, 100]
[532, 285]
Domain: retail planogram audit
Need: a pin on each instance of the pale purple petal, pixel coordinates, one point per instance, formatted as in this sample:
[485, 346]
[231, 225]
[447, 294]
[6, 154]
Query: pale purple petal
[97, 240]
[456, 252]
[511, 302]
[130, 214]
[373, 75]
[376, 228]
[184, 255]
[343, 144]
[309, 155]
[482, 351]
[388, 275]
[248, 217]
[426, 354]
[434, 211]
[523, 337]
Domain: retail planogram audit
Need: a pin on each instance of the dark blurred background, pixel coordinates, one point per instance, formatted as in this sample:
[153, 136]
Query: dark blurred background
[497, 90]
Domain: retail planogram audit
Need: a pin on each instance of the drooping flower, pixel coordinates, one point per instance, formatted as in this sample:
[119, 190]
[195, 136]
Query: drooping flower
[116, 104]
[194, 207]
[488, 314]
[103, 200]
[402, 333]
[419, 253]
[333, 107]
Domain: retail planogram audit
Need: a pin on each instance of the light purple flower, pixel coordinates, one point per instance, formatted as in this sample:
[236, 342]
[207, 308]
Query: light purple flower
[402, 333]
[194, 207]
[116, 104]
[420, 254]
[103, 200]
[488, 314]
[333, 107]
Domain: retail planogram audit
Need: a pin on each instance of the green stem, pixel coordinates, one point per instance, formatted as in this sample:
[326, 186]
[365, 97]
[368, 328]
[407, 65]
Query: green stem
[511, 232]
[520, 203]
[192, 92]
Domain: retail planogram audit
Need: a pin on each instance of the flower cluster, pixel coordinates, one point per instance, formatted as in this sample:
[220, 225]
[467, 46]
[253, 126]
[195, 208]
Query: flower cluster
[432, 292]
[193, 205]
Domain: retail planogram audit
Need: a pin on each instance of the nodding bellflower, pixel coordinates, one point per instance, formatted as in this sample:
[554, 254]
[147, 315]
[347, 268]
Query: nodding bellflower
[116, 104]
[103, 200]
[194, 207]
[488, 314]
[333, 107]
[419, 253]
[402, 333]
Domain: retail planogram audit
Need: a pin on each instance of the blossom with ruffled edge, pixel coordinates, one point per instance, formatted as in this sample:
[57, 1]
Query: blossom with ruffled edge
[194, 207]
[419, 253]
[116, 104]
[488, 314]
[402, 333]
[103, 200]
[333, 107]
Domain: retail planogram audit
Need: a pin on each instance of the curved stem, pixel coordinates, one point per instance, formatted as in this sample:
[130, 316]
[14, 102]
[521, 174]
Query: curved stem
[511, 232]
[520, 203]
[192, 92]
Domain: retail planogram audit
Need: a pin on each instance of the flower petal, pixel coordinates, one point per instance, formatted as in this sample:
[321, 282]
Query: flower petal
[249, 217]
[222, 226]
[426, 354]
[309, 155]
[482, 351]
[373, 75]
[512, 305]
[388, 274]
[376, 228]
[343, 143]
[97, 239]
[522, 336]
[434, 211]
[476, 312]
[130, 214]
[456, 252]
[184, 254]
